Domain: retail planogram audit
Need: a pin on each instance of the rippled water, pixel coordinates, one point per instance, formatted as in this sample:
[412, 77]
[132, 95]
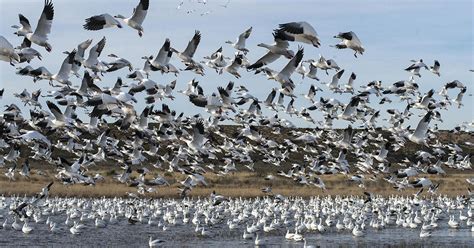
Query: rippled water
[123, 234]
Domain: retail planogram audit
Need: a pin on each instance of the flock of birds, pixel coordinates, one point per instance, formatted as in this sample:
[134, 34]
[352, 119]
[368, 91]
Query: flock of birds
[194, 145]
[251, 219]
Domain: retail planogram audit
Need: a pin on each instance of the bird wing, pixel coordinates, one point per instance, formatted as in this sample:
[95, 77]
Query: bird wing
[294, 62]
[67, 64]
[244, 36]
[46, 19]
[336, 77]
[292, 27]
[55, 111]
[24, 22]
[268, 58]
[163, 53]
[422, 127]
[5, 45]
[96, 22]
[193, 44]
[270, 97]
[140, 11]
[95, 51]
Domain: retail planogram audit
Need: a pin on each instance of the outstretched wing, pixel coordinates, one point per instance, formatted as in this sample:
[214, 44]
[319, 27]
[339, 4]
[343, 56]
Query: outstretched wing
[193, 44]
[46, 19]
[140, 11]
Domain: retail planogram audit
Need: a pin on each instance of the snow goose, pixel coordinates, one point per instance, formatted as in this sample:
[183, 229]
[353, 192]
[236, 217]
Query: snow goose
[27, 53]
[279, 48]
[334, 85]
[40, 35]
[159, 62]
[420, 133]
[92, 62]
[300, 31]
[350, 40]
[435, 68]
[25, 27]
[312, 72]
[187, 55]
[62, 76]
[139, 14]
[350, 110]
[79, 59]
[415, 68]
[118, 63]
[26, 227]
[7, 52]
[240, 43]
[101, 21]
[284, 75]
[59, 119]
[458, 100]
[258, 241]
[233, 68]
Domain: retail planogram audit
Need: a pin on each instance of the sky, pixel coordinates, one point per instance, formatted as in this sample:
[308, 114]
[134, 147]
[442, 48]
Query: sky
[392, 32]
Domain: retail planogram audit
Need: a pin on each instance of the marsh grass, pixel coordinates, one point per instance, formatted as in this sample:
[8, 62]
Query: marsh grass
[242, 184]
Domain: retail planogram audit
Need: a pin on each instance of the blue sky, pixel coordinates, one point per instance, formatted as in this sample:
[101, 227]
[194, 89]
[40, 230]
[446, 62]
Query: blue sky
[393, 32]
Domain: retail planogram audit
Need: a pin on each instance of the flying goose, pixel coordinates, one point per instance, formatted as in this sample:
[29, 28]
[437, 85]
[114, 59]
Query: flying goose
[350, 40]
[92, 62]
[351, 109]
[139, 14]
[334, 84]
[300, 31]
[284, 75]
[435, 68]
[62, 76]
[233, 68]
[7, 52]
[415, 68]
[79, 59]
[240, 43]
[27, 53]
[118, 63]
[40, 35]
[161, 61]
[420, 134]
[101, 21]
[279, 48]
[187, 55]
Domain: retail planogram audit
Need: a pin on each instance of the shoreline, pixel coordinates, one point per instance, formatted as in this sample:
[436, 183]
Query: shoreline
[248, 186]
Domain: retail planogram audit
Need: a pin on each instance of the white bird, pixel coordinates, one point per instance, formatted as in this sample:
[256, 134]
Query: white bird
[118, 63]
[350, 40]
[139, 14]
[26, 228]
[7, 52]
[415, 68]
[300, 31]
[284, 76]
[62, 76]
[279, 48]
[101, 21]
[40, 35]
[240, 43]
[93, 62]
[187, 55]
[419, 135]
[435, 68]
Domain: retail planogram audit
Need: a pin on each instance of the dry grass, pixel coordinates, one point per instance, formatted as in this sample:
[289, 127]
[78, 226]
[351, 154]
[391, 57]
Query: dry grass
[242, 184]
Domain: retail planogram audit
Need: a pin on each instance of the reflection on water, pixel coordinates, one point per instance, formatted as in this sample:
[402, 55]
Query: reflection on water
[123, 234]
